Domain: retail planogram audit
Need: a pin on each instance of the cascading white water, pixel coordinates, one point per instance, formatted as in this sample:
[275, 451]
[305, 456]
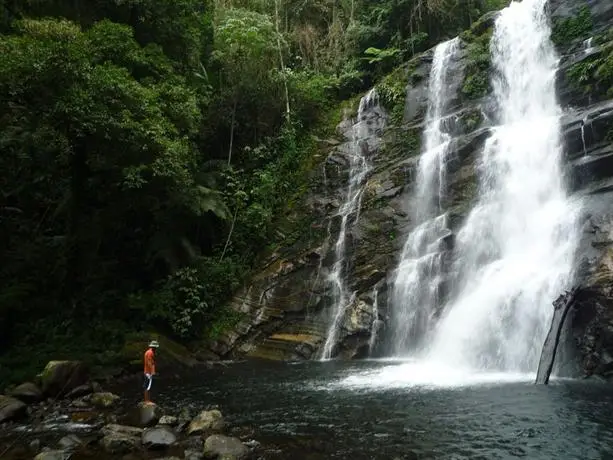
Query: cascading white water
[515, 250]
[359, 168]
[418, 276]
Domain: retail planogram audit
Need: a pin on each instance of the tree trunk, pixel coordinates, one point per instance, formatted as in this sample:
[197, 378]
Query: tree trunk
[232, 130]
[223, 253]
[548, 354]
[74, 250]
[287, 110]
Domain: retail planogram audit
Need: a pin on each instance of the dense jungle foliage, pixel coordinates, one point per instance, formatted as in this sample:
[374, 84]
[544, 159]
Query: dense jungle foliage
[150, 148]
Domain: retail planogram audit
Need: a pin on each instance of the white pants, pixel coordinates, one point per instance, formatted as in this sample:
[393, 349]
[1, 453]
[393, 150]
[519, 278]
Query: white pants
[147, 382]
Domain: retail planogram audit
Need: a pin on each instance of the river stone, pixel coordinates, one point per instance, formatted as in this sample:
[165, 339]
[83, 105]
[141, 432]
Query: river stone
[81, 390]
[70, 441]
[252, 444]
[27, 392]
[183, 419]
[60, 377]
[148, 414]
[222, 447]
[113, 428]
[168, 420]
[159, 437]
[81, 402]
[53, 455]
[208, 421]
[104, 400]
[11, 408]
[193, 455]
[195, 443]
[119, 443]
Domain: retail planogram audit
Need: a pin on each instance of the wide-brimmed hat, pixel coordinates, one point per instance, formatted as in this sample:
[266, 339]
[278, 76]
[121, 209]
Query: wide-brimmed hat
[154, 344]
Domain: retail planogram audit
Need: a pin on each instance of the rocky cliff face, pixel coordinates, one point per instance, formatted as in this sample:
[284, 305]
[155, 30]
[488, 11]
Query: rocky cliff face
[584, 36]
[287, 306]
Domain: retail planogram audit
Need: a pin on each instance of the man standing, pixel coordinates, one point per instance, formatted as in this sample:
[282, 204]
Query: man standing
[150, 367]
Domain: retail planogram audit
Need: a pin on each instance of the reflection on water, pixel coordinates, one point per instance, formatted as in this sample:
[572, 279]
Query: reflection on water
[387, 409]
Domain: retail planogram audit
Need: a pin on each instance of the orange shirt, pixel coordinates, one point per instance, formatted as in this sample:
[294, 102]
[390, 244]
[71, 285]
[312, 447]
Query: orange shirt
[149, 362]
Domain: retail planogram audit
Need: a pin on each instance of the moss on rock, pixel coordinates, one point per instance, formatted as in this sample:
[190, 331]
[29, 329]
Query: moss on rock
[401, 142]
[392, 91]
[477, 74]
[104, 400]
[567, 30]
[471, 120]
[594, 75]
[59, 377]
[393, 88]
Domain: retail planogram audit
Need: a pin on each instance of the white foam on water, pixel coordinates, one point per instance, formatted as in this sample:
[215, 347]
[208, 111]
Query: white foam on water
[427, 375]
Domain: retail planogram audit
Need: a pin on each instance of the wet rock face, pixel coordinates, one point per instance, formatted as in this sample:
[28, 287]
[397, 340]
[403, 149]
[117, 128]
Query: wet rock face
[289, 303]
[588, 142]
[592, 319]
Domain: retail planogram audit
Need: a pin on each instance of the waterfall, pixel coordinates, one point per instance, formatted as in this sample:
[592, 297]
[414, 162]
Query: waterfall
[359, 167]
[514, 253]
[418, 276]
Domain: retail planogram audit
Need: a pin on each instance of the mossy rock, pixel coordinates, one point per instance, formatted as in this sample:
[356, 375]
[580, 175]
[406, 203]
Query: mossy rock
[392, 92]
[11, 408]
[60, 377]
[207, 422]
[224, 447]
[477, 76]
[484, 23]
[401, 142]
[594, 75]
[577, 27]
[27, 392]
[104, 400]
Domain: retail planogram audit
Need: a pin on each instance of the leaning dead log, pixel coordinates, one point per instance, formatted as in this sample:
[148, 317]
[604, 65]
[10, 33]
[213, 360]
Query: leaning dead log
[561, 307]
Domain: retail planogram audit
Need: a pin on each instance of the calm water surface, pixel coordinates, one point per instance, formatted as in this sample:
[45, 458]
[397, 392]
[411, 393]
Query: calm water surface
[372, 410]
